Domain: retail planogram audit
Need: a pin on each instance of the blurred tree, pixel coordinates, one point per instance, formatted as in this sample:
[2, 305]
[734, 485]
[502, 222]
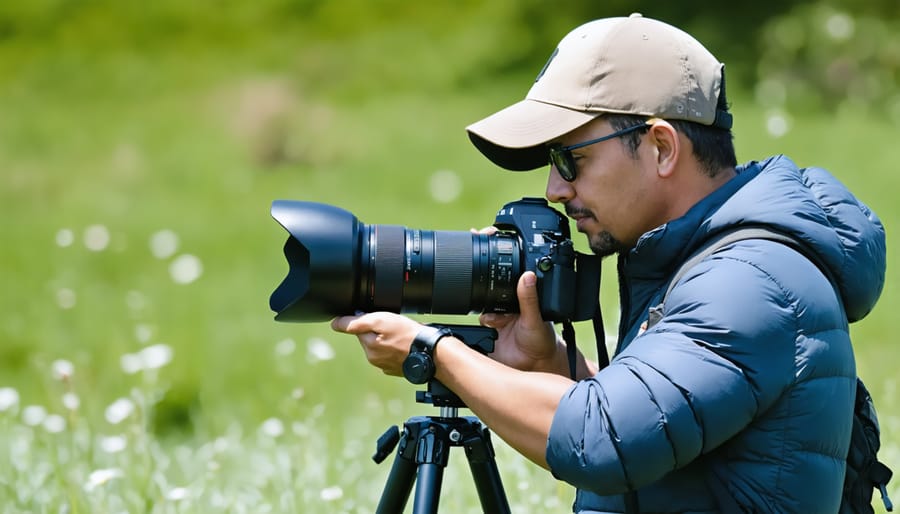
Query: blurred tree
[730, 29]
[807, 54]
[821, 57]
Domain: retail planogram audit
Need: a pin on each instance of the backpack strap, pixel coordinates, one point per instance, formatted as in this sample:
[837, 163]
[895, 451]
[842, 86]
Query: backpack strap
[716, 243]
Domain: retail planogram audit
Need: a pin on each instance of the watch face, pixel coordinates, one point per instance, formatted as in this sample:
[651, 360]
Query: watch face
[418, 368]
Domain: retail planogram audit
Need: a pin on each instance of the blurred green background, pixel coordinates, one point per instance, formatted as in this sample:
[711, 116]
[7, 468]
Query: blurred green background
[141, 145]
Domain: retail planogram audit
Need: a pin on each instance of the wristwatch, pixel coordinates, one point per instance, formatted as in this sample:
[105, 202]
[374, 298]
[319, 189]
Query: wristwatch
[418, 367]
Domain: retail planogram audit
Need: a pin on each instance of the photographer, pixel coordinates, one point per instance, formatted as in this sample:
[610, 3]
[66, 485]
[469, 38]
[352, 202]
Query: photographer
[739, 397]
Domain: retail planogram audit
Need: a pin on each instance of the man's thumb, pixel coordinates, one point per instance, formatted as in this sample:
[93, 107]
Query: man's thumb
[526, 290]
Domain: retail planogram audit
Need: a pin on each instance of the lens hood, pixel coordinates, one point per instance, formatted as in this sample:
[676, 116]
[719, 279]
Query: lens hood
[323, 243]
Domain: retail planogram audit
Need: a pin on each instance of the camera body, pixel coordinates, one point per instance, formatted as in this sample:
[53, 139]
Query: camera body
[339, 265]
[548, 251]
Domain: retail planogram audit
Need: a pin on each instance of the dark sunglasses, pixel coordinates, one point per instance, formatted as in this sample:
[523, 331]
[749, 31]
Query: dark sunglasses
[562, 158]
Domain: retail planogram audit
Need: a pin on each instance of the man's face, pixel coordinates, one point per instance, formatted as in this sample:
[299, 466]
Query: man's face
[613, 196]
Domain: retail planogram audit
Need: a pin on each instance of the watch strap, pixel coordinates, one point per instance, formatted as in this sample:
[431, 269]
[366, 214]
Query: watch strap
[428, 338]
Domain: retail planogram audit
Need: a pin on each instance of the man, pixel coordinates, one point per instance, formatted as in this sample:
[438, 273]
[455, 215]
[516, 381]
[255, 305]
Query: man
[740, 397]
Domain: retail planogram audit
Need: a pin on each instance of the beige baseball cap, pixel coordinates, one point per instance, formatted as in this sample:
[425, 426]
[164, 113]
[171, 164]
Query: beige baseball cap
[626, 65]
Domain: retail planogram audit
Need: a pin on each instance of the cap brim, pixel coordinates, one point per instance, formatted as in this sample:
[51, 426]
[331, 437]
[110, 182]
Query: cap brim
[516, 137]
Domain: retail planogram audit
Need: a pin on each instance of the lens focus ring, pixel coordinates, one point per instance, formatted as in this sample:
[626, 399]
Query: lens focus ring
[452, 272]
[387, 268]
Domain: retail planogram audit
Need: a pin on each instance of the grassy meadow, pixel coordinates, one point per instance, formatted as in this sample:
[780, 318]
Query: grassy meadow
[140, 367]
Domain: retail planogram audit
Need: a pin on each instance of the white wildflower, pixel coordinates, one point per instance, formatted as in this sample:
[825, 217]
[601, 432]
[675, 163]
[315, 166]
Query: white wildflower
[319, 350]
[113, 443]
[62, 369]
[156, 356]
[71, 401]
[777, 124]
[9, 398]
[101, 476]
[119, 410]
[221, 445]
[65, 237]
[164, 244]
[272, 427]
[185, 269]
[177, 493]
[332, 493]
[143, 332]
[66, 298]
[54, 423]
[285, 347]
[131, 363]
[34, 415]
[840, 26]
[96, 238]
[151, 357]
[445, 186]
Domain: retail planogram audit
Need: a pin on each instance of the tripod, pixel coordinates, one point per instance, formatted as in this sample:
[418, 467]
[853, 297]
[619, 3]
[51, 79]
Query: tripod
[424, 450]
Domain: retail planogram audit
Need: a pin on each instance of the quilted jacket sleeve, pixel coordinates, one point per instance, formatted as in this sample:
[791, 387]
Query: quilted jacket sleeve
[723, 352]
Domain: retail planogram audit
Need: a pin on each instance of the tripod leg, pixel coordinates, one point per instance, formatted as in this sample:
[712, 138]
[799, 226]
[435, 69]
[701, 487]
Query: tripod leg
[480, 453]
[490, 487]
[398, 486]
[428, 489]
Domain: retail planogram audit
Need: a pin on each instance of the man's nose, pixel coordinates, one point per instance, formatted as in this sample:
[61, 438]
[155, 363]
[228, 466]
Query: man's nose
[558, 189]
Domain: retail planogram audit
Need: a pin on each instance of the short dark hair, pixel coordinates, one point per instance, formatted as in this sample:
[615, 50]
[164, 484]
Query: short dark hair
[713, 147]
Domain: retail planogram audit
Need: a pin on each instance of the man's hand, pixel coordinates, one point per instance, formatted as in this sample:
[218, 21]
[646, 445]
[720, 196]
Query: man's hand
[384, 336]
[525, 341]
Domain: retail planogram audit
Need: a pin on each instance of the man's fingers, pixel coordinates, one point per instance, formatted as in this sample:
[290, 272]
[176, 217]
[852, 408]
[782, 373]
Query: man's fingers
[494, 320]
[486, 230]
[340, 324]
[351, 324]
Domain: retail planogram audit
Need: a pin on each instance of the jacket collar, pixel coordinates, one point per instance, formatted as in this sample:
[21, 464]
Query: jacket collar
[660, 250]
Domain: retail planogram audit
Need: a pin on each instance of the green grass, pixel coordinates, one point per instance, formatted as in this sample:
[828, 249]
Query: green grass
[199, 141]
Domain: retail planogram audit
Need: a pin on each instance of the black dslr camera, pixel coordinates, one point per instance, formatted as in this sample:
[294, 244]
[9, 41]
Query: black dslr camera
[340, 266]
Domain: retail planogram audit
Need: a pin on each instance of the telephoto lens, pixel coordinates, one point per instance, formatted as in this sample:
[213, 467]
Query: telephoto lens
[339, 266]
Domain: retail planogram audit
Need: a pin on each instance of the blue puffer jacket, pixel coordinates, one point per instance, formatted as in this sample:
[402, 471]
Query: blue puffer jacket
[746, 385]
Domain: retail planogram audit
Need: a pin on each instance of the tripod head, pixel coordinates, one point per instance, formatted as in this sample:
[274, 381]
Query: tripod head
[480, 339]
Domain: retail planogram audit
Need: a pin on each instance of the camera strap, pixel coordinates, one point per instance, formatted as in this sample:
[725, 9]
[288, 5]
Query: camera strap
[568, 333]
[600, 335]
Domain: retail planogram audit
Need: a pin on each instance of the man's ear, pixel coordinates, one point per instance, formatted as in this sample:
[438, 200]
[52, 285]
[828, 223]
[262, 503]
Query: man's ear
[667, 146]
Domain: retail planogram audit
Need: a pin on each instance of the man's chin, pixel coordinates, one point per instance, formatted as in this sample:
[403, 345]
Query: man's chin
[604, 244]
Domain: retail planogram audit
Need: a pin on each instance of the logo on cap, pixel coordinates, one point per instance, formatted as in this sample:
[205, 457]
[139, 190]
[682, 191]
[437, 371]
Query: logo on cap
[552, 56]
